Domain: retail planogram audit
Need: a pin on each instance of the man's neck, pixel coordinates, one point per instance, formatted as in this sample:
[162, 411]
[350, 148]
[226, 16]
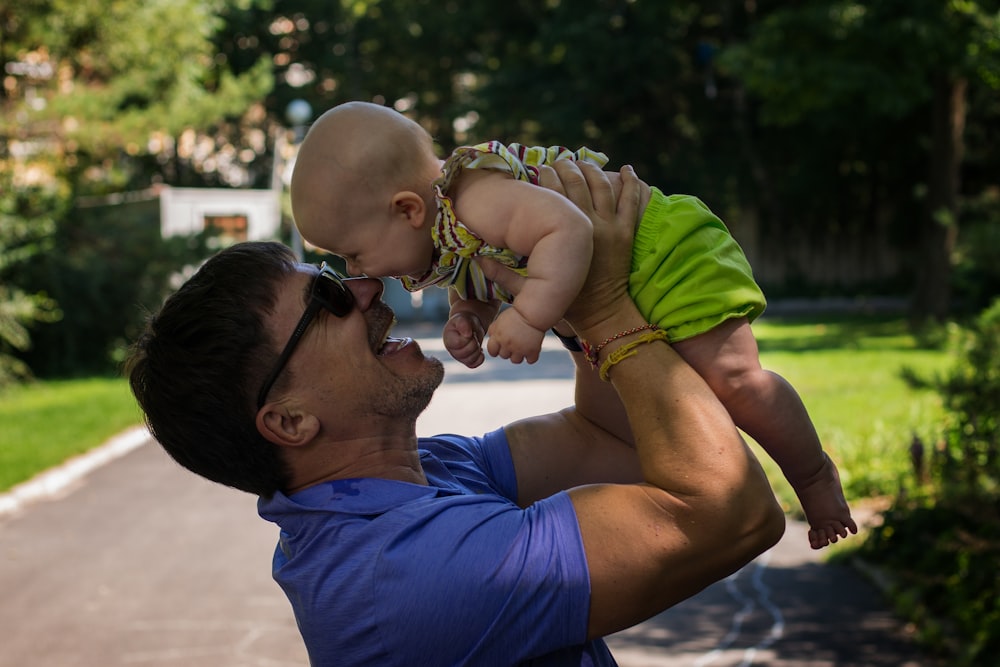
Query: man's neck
[357, 459]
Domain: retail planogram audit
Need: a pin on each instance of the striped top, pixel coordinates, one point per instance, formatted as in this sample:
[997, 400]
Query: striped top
[456, 244]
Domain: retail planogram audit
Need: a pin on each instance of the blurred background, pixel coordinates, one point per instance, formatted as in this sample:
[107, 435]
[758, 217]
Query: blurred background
[850, 146]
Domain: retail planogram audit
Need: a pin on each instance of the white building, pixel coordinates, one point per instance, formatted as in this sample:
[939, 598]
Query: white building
[241, 215]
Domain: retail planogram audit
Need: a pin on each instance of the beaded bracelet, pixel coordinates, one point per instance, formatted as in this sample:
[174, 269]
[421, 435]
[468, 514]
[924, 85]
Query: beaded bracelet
[593, 351]
[629, 349]
[571, 343]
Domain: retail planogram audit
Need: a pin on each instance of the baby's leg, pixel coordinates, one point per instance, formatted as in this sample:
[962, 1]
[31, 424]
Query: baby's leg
[768, 409]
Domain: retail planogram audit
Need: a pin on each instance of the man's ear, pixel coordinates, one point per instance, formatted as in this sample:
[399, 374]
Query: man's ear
[286, 426]
[409, 207]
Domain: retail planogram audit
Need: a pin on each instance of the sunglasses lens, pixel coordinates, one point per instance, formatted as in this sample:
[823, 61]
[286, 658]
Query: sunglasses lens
[333, 294]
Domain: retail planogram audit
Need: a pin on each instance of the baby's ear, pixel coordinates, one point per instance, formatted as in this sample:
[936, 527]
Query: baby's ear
[409, 207]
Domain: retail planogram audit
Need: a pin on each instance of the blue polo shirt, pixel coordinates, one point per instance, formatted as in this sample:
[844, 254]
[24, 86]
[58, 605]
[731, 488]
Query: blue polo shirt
[381, 572]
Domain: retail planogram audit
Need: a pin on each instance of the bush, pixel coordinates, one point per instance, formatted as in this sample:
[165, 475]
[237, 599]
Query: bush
[976, 275]
[942, 539]
[26, 223]
[107, 266]
[967, 465]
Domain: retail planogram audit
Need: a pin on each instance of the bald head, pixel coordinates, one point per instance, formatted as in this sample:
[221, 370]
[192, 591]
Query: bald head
[354, 158]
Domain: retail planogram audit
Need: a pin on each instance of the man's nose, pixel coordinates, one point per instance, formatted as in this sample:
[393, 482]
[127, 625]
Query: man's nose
[366, 291]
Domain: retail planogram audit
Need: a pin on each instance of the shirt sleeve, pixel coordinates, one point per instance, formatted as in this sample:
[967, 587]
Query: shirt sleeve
[477, 462]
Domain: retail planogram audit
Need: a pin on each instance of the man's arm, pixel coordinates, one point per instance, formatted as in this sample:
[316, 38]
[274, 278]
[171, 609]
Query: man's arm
[690, 504]
[594, 434]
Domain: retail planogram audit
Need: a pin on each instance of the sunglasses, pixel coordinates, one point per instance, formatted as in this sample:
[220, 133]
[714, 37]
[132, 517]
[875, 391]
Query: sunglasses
[327, 291]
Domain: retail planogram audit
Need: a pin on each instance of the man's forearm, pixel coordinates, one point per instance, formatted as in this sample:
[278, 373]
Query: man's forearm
[598, 402]
[685, 439]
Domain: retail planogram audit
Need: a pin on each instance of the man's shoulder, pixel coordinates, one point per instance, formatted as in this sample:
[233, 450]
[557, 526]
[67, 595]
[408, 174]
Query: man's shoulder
[446, 445]
[479, 462]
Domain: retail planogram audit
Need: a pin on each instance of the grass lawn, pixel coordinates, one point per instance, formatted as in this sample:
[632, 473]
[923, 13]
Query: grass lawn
[849, 373]
[44, 423]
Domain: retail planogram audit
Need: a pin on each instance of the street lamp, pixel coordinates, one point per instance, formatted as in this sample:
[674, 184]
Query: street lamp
[298, 113]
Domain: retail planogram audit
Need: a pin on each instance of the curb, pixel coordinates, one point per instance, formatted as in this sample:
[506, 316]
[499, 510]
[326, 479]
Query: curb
[52, 482]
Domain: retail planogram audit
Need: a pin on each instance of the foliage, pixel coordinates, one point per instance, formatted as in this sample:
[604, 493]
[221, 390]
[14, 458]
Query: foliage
[876, 58]
[968, 465]
[25, 223]
[943, 562]
[942, 540]
[887, 93]
[101, 98]
[977, 272]
[107, 267]
[124, 93]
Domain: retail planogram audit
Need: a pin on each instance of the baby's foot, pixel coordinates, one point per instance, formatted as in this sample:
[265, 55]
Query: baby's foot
[826, 509]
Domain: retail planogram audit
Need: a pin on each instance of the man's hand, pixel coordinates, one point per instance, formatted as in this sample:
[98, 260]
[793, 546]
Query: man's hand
[614, 220]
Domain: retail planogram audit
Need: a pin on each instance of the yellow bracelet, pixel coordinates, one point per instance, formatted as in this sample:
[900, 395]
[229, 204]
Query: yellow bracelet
[629, 349]
[591, 351]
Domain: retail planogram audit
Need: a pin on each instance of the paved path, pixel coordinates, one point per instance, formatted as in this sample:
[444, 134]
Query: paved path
[139, 563]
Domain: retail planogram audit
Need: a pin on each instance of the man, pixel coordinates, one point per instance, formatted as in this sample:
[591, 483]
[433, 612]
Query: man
[523, 546]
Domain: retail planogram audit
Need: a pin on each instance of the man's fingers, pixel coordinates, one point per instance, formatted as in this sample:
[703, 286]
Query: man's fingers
[574, 183]
[601, 192]
[549, 179]
[627, 210]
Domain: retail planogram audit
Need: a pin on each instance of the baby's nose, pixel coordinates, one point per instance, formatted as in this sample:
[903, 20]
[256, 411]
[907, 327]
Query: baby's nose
[366, 291]
[354, 270]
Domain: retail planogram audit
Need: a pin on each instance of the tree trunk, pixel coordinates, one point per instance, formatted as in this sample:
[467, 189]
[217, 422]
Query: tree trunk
[939, 227]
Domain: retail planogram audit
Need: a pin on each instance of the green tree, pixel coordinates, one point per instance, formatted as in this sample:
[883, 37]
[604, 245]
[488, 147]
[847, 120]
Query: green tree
[101, 98]
[407, 53]
[115, 94]
[863, 72]
[22, 242]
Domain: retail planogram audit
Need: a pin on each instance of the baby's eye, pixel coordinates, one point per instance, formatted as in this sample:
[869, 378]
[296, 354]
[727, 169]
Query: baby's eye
[353, 266]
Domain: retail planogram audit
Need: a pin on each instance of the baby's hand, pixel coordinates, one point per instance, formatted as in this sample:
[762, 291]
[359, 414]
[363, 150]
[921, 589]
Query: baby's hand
[463, 336]
[511, 337]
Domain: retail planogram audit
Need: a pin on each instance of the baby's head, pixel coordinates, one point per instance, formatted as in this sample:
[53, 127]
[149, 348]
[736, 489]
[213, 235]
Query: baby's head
[361, 189]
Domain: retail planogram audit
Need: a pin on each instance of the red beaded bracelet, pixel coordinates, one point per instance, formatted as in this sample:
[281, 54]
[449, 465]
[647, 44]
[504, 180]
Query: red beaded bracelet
[593, 351]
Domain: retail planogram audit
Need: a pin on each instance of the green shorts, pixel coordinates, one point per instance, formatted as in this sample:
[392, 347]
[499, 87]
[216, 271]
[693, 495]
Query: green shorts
[689, 275]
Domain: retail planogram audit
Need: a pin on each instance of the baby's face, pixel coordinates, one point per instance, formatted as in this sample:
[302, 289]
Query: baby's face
[383, 249]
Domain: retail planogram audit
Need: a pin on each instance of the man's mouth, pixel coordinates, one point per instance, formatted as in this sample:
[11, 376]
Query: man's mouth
[391, 345]
[386, 344]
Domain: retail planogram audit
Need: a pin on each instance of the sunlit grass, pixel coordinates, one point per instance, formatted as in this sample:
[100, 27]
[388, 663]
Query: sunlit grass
[852, 376]
[44, 423]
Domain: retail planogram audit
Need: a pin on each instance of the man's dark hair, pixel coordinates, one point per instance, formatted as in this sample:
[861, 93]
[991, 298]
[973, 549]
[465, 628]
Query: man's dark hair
[197, 367]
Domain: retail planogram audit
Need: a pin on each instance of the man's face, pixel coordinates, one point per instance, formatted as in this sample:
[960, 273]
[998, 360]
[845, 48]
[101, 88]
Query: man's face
[347, 369]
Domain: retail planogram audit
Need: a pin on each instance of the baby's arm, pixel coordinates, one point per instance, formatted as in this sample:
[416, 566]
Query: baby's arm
[466, 327]
[546, 227]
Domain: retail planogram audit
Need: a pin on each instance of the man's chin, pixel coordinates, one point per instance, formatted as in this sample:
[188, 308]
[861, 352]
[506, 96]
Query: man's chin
[435, 376]
[409, 397]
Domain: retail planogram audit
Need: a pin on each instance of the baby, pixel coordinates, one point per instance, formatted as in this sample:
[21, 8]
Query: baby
[369, 187]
